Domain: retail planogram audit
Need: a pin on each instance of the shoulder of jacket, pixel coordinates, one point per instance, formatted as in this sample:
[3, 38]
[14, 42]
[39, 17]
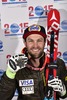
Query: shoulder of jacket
[60, 62]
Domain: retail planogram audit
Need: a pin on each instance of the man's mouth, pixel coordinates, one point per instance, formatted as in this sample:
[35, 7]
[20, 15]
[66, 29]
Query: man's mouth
[35, 50]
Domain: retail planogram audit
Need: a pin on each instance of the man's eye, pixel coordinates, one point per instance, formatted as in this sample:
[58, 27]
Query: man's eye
[30, 40]
[39, 41]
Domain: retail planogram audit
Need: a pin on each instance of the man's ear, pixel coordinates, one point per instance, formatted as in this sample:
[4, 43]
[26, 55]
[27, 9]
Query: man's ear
[45, 41]
[24, 42]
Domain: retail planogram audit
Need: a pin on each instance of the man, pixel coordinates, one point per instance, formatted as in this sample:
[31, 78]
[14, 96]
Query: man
[26, 72]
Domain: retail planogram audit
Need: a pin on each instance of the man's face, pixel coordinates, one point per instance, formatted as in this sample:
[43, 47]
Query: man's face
[35, 45]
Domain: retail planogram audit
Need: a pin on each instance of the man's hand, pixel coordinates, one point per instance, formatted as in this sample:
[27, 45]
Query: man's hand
[57, 85]
[15, 63]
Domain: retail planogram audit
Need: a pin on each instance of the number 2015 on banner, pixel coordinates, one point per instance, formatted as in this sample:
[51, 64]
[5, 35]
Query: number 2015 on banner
[46, 8]
[15, 27]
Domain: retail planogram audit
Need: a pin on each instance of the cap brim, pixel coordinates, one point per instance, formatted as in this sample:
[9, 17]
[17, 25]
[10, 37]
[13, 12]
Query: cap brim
[34, 32]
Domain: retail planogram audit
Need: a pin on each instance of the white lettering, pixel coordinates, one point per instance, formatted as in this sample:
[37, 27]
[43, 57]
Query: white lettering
[28, 82]
[54, 27]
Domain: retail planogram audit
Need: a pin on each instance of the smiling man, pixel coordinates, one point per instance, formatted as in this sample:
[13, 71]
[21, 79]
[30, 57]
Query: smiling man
[26, 72]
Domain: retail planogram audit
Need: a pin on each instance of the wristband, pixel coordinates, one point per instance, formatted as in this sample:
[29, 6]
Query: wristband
[10, 74]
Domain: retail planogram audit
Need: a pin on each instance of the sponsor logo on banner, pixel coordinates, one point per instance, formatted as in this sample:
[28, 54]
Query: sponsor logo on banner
[65, 59]
[1, 46]
[39, 11]
[59, 0]
[14, 29]
[64, 25]
[27, 86]
[1, 73]
[14, 1]
[65, 56]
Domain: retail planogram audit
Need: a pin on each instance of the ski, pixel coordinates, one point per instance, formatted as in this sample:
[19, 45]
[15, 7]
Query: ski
[53, 22]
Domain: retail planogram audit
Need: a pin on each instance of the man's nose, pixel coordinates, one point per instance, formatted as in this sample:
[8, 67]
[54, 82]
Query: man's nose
[35, 44]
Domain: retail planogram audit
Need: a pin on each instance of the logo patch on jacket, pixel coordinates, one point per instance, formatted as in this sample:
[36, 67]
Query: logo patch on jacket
[27, 86]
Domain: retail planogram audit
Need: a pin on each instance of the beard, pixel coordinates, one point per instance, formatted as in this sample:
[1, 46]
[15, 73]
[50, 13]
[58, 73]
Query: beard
[35, 55]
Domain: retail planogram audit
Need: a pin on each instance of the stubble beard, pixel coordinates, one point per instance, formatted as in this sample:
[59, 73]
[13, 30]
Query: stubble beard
[35, 56]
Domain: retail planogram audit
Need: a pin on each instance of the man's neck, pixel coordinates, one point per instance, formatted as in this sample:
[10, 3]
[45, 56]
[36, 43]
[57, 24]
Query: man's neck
[35, 62]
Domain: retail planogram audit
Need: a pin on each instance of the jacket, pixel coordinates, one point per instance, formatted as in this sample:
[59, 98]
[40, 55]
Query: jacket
[30, 82]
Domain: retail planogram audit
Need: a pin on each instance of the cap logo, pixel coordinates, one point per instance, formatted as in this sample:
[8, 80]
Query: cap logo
[34, 28]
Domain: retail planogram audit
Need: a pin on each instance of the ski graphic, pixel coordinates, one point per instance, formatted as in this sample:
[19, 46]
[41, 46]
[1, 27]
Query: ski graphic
[53, 22]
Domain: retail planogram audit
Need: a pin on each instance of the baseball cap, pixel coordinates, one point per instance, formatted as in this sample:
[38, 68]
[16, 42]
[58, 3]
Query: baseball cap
[34, 29]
